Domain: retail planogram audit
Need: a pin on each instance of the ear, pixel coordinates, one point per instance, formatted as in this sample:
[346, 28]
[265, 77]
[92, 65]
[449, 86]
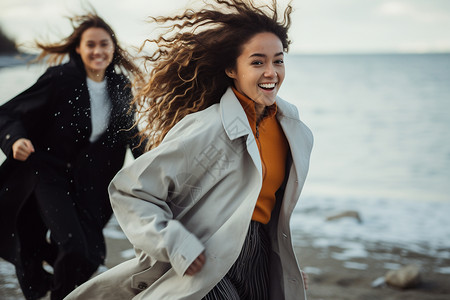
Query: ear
[230, 73]
[77, 49]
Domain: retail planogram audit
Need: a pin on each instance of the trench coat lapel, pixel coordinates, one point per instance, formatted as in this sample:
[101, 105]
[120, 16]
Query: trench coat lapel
[236, 125]
[300, 143]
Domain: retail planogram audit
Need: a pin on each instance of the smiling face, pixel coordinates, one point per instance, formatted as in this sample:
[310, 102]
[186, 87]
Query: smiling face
[259, 70]
[96, 49]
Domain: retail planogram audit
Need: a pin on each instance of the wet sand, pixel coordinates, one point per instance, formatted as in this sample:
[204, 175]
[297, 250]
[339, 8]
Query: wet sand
[330, 277]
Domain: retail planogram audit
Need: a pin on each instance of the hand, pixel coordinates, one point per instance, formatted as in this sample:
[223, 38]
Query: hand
[22, 148]
[305, 280]
[196, 265]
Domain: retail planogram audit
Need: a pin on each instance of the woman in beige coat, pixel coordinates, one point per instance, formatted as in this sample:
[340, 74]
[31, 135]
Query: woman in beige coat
[208, 207]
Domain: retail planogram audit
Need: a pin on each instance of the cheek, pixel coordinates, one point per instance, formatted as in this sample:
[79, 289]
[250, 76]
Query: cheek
[84, 56]
[281, 76]
[84, 53]
[111, 54]
[247, 79]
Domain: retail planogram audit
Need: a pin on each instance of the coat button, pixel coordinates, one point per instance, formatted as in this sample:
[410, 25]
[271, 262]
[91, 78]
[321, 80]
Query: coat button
[8, 136]
[142, 285]
[285, 235]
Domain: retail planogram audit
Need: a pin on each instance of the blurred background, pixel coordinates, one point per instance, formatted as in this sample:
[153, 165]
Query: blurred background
[371, 78]
[318, 26]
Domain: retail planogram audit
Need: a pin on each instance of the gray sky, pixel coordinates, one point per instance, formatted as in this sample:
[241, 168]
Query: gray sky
[319, 26]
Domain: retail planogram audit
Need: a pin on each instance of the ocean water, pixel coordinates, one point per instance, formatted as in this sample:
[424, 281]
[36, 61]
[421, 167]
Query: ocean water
[381, 123]
[382, 146]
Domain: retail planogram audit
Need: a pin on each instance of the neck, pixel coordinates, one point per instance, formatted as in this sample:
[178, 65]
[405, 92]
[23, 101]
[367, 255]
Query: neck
[97, 76]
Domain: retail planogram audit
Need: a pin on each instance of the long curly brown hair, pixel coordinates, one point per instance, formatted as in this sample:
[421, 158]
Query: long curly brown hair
[190, 58]
[56, 52]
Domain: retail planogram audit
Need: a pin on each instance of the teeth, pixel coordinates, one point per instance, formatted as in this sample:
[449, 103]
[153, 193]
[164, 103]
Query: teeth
[267, 85]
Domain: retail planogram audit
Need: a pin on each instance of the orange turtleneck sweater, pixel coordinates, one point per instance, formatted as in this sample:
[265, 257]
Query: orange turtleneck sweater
[273, 150]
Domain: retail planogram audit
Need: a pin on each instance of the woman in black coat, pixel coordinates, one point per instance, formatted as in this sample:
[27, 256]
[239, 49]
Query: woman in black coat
[65, 138]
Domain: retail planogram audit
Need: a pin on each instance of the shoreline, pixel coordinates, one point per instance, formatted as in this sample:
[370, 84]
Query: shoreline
[342, 279]
[331, 276]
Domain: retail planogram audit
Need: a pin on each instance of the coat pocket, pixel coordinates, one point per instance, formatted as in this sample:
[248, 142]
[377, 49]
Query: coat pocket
[146, 278]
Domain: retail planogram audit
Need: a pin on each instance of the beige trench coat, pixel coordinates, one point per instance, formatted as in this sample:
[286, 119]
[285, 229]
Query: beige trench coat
[196, 193]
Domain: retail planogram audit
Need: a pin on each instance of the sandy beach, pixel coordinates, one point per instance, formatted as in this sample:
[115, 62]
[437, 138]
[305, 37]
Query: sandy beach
[330, 277]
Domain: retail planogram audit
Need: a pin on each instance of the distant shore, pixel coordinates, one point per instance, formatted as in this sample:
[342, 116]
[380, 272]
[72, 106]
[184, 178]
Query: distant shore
[7, 45]
[15, 59]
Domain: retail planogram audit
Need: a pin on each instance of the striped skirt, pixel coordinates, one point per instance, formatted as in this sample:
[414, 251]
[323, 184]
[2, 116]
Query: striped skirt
[248, 278]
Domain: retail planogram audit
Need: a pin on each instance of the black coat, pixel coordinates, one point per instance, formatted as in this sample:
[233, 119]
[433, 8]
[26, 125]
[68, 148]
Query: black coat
[55, 115]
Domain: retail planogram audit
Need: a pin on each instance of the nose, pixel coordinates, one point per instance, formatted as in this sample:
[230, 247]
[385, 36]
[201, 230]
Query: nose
[97, 49]
[270, 71]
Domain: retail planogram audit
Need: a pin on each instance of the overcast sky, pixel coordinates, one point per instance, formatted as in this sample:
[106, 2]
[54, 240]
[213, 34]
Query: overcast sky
[319, 26]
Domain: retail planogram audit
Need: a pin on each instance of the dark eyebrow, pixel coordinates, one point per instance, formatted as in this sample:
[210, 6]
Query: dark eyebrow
[263, 55]
[101, 41]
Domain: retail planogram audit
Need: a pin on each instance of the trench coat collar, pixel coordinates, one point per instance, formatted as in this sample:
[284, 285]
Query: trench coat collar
[233, 116]
[235, 120]
[299, 137]
[236, 125]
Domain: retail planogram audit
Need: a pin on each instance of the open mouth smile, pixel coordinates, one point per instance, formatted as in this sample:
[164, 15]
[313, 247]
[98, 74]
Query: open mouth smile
[267, 86]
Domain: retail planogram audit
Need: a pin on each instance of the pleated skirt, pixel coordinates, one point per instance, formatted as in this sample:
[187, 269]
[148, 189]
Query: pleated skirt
[248, 278]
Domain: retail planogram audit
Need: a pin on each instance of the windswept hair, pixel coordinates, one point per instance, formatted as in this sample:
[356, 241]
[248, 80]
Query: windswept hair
[56, 52]
[190, 58]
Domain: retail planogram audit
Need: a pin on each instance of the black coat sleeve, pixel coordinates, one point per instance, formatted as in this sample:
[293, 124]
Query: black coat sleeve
[17, 112]
[124, 115]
